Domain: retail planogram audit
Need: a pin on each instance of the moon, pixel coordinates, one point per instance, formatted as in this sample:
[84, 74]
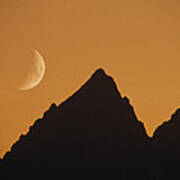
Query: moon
[36, 75]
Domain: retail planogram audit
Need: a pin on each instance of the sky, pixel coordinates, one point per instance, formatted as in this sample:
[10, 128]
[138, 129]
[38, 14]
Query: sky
[136, 42]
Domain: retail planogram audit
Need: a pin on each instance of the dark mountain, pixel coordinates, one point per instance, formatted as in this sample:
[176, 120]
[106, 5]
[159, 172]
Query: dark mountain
[94, 133]
[166, 147]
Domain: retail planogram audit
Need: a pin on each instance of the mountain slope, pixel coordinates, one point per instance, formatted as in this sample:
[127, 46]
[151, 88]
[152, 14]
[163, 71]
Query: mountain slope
[166, 147]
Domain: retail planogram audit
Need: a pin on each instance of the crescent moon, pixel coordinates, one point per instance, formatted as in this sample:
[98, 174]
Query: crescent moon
[37, 74]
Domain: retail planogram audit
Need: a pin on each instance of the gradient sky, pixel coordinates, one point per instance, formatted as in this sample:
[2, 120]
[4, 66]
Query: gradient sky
[137, 42]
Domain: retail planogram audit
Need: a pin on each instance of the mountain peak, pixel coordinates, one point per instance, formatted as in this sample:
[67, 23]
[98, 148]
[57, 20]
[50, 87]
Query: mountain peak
[99, 72]
[101, 82]
[101, 75]
[95, 124]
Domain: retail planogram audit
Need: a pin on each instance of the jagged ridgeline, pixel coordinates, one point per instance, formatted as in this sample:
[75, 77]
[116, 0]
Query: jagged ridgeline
[94, 134]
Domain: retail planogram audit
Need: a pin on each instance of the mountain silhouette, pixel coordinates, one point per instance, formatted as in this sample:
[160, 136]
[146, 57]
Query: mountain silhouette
[166, 145]
[94, 134]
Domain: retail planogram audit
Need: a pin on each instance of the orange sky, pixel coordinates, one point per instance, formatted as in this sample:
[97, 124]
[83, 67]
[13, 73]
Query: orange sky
[137, 42]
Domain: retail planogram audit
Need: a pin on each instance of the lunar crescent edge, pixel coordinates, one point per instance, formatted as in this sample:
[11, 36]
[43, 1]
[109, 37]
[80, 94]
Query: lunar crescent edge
[35, 77]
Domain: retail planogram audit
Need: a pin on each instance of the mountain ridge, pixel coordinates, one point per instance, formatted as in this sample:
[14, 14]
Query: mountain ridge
[98, 79]
[94, 133]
